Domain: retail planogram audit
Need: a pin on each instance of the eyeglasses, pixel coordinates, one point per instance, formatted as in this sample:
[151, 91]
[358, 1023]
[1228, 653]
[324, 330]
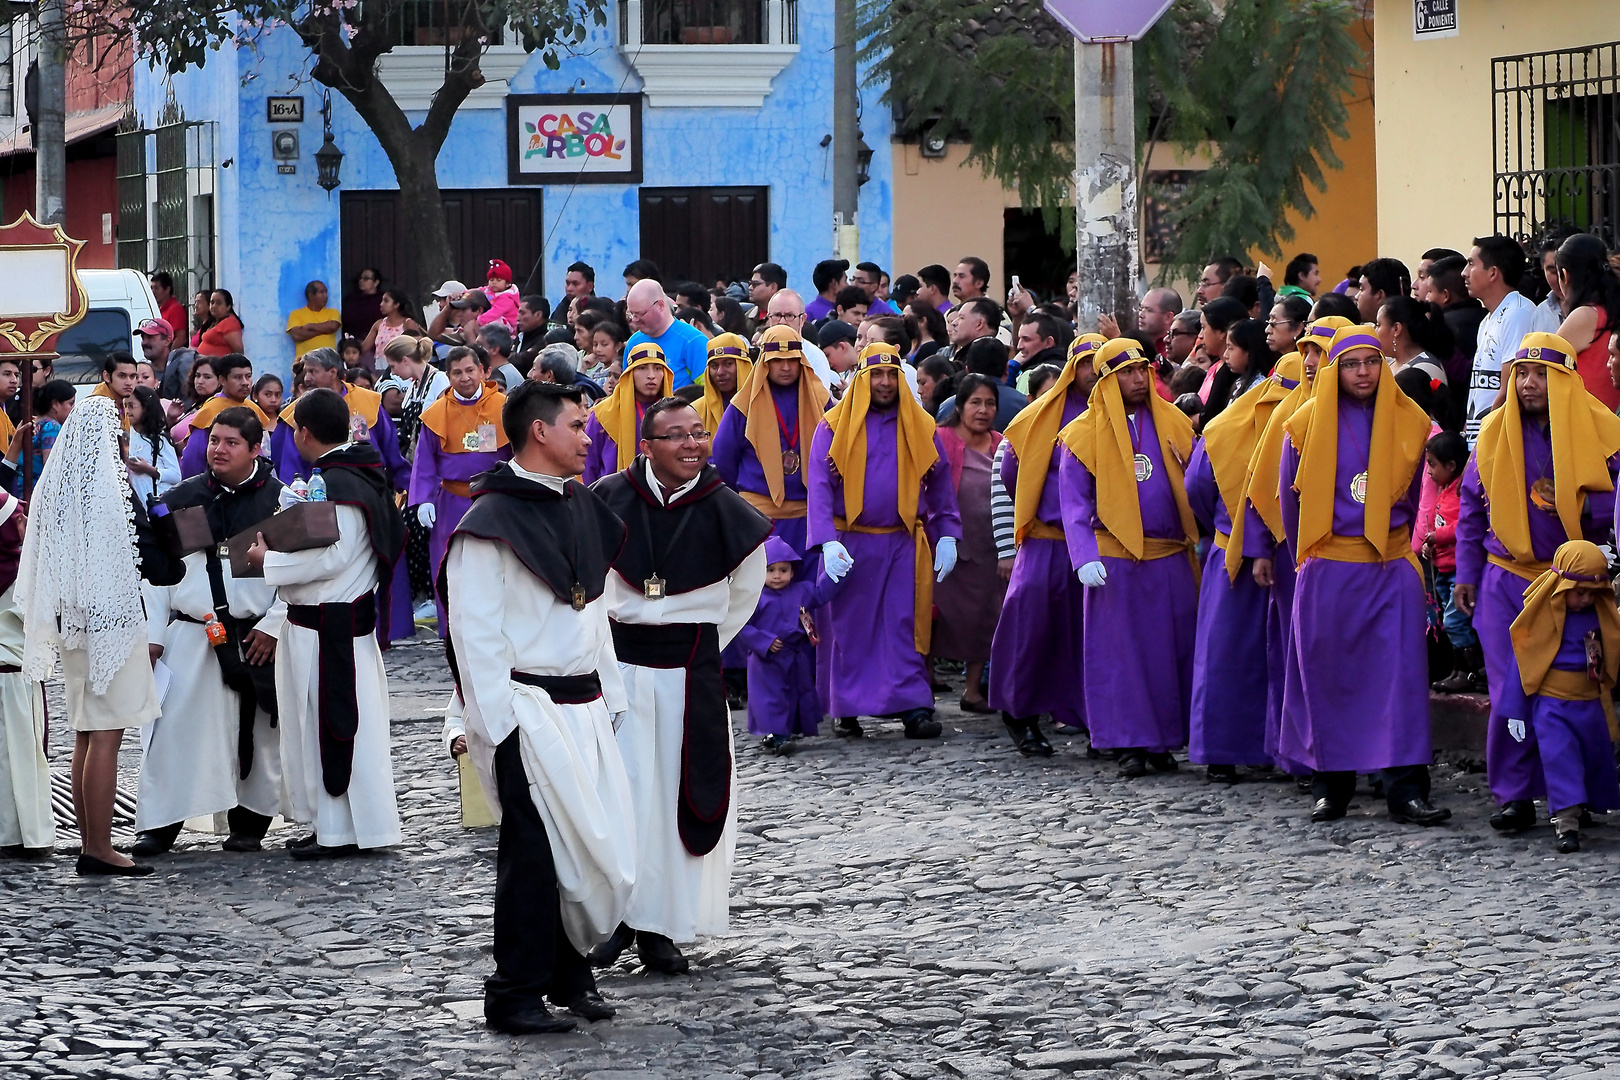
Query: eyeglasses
[680, 437]
[784, 315]
[755, 283]
[1365, 363]
[1273, 323]
[1184, 333]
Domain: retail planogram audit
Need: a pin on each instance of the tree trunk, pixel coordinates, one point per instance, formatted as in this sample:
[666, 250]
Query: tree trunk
[422, 214]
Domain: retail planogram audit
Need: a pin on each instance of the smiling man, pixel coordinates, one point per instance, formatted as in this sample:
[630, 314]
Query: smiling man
[235, 373]
[687, 580]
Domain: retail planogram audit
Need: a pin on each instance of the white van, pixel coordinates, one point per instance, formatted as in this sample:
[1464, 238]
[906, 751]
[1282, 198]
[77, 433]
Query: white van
[120, 300]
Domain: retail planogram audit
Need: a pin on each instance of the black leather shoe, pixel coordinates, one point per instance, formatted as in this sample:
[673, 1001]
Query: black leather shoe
[153, 842]
[660, 954]
[302, 842]
[1018, 729]
[607, 954]
[1221, 774]
[242, 843]
[532, 1021]
[1515, 816]
[1418, 812]
[1034, 744]
[587, 1005]
[848, 727]
[774, 744]
[1569, 842]
[920, 724]
[1133, 764]
[1326, 810]
[1163, 762]
[90, 866]
[321, 851]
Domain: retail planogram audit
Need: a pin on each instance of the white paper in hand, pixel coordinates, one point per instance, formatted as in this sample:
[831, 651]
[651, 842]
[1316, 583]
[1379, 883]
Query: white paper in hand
[162, 675]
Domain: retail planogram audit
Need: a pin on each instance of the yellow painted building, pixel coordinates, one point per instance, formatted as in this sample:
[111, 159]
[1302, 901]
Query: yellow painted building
[1461, 132]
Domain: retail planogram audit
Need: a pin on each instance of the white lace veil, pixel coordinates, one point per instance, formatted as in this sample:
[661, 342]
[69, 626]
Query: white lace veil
[78, 583]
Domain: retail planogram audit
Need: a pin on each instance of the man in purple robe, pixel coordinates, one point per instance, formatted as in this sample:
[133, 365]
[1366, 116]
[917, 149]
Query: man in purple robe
[461, 436]
[1131, 534]
[880, 498]
[1035, 661]
[1550, 437]
[1356, 697]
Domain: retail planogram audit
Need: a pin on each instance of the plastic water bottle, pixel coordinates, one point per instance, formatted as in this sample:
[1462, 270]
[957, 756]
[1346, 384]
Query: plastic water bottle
[317, 487]
[299, 489]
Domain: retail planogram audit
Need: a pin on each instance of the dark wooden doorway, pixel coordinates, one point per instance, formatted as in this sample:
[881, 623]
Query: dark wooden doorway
[705, 234]
[484, 224]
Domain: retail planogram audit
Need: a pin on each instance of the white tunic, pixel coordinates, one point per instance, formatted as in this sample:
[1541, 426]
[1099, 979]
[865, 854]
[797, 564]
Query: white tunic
[677, 894]
[503, 619]
[25, 776]
[343, 572]
[188, 765]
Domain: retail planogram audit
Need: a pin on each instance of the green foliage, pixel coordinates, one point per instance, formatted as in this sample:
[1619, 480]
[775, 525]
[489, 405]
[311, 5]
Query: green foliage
[1262, 83]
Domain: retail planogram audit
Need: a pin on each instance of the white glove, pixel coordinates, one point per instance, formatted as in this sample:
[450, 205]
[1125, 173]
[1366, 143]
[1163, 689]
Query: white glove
[944, 557]
[1516, 729]
[426, 514]
[835, 558]
[1093, 575]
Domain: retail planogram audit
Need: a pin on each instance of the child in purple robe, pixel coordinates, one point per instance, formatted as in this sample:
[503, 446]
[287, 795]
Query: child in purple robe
[1567, 645]
[782, 702]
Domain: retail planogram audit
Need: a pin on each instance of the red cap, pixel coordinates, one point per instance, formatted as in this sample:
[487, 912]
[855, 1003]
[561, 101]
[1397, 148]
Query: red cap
[157, 326]
[499, 269]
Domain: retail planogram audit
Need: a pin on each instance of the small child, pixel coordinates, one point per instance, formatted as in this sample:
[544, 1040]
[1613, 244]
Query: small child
[1444, 459]
[782, 701]
[1567, 644]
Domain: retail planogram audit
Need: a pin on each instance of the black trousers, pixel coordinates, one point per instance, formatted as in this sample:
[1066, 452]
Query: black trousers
[533, 956]
[1402, 784]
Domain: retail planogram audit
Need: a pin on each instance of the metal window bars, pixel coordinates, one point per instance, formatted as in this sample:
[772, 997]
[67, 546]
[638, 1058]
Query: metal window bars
[709, 22]
[1556, 119]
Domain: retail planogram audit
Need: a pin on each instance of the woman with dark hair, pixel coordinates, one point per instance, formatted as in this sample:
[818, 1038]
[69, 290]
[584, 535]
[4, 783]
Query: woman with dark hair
[52, 403]
[936, 381]
[1287, 322]
[728, 315]
[1591, 288]
[224, 333]
[397, 317]
[202, 383]
[154, 467]
[926, 325]
[1246, 360]
[585, 323]
[969, 604]
[363, 306]
[1413, 333]
[201, 317]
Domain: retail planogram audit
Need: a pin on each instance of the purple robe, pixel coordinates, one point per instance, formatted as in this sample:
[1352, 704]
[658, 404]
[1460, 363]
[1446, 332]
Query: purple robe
[1139, 625]
[1356, 697]
[1258, 543]
[602, 458]
[1230, 674]
[434, 465]
[1577, 755]
[782, 696]
[869, 659]
[738, 463]
[1035, 658]
[1513, 768]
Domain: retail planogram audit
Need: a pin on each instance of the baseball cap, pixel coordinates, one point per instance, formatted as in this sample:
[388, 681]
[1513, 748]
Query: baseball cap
[450, 288]
[157, 327]
[835, 332]
[499, 269]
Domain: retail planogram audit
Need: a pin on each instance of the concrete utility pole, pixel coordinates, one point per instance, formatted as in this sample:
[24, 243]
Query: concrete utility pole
[1105, 183]
[50, 119]
[846, 188]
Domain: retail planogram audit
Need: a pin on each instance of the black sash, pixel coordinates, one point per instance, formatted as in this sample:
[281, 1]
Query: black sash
[564, 689]
[255, 685]
[705, 790]
[337, 625]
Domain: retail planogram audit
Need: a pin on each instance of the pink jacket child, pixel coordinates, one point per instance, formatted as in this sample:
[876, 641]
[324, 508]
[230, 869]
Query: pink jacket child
[503, 296]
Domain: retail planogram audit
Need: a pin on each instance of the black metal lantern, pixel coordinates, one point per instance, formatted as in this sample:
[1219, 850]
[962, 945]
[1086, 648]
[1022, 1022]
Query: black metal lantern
[863, 159]
[328, 159]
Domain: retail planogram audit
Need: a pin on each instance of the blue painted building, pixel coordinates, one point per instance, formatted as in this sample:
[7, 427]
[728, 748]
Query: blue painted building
[735, 121]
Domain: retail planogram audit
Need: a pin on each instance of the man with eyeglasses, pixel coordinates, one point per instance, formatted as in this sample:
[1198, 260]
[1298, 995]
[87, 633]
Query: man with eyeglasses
[765, 282]
[1215, 277]
[786, 308]
[685, 349]
[1184, 330]
[687, 579]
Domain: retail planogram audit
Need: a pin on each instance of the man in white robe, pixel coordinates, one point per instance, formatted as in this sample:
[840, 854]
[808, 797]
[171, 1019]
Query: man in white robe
[27, 828]
[529, 643]
[330, 684]
[687, 581]
[193, 754]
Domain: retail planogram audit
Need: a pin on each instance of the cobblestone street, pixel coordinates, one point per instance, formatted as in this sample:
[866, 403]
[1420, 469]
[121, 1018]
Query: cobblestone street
[900, 909]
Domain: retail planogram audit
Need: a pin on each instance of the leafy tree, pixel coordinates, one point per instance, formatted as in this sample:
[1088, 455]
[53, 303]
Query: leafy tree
[1261, 82]
[346, 39]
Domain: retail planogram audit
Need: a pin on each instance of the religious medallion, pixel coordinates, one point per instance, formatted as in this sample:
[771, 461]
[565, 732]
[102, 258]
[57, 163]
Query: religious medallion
[577, 598]
[1544, 495]
[1358, 487]
[790, 461]
[1144, 468]
[469, 441]
[653, 587]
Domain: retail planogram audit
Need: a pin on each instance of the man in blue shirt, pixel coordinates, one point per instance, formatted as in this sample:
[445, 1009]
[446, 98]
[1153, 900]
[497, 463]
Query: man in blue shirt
[685, 348]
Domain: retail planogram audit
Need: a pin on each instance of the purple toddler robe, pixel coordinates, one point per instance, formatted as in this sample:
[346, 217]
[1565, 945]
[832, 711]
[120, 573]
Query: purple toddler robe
[782, 696]
[1577, 756]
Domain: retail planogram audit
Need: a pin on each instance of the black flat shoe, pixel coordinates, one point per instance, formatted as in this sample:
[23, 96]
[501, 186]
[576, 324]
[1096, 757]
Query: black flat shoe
[607, 954]
[1326, 810]
[90, 866]
[320, 851]
[242, 844]
[981, 707]
[1034, 744]
[1163, 762]
[848, 727]
[1133, 766]
[922, 725]
[1515, 816]
[534, 1021]
[1418, 812]
[1221, 774]
[660, 954]
[587, 1005]
[302, 842]
[1568, 842]
[774, 744]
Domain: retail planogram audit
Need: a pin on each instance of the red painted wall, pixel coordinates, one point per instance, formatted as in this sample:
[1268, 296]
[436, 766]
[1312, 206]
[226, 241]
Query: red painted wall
[92, 190]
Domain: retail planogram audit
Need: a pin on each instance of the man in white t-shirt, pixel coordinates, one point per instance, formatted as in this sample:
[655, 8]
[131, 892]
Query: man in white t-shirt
[1495, 265]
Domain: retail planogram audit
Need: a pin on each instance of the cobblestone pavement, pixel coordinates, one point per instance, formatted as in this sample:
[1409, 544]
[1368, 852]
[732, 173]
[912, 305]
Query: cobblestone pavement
[901, 909]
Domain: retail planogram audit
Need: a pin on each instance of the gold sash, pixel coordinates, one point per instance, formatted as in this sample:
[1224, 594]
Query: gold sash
[1575, 686]
[1528, 571]
[1358, 549]
[1153, 547]
[922, 609]
[790, 510]
[1040, 530]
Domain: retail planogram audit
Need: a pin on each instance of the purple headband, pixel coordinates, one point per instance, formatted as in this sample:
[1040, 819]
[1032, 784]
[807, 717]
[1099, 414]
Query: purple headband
[1355, 341]
[1547, 353]
[1584, 579]
[728, 350]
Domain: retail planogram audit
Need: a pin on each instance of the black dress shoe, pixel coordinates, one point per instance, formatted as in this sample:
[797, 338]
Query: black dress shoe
[587, 1005]
[1418, 812]
[532, 1021]
[90, 866]
[152, 842]
[1133, 764]
[1221, 774]
[1515, 816]
[1034, 744]
[773, 744]
[848, 727]
[1163, 762]
[302, 842]
[1018, 729]
[321, 851]
[920, 724]
[1569, 842]
[607, 954]
[660, 954]
[1326, 810]
[242, 843]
